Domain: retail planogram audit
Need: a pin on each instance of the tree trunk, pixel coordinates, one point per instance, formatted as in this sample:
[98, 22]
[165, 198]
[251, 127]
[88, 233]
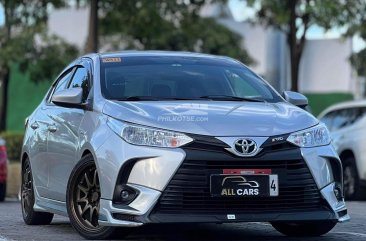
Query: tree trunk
[92, 42]
[4, 83]
[295, 56]
[295, 53]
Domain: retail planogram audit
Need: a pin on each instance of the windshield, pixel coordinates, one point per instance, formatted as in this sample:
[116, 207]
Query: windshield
[180, 78]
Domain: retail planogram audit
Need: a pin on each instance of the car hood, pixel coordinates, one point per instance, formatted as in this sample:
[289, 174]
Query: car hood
[214, 118]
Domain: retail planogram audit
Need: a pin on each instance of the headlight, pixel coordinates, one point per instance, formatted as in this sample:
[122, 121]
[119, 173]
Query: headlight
[147, 136]
[314, 136]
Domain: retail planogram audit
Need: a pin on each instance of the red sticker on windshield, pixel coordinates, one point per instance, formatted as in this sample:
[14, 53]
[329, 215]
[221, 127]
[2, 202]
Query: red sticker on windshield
[111, 60]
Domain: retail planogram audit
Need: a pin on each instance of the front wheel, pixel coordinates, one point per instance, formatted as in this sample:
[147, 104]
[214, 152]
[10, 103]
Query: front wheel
[352, 188]
[82, 201]
[304, 229]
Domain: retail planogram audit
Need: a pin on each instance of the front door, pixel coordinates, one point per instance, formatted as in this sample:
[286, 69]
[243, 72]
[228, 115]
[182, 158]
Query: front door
[63, 139]
[40, 124]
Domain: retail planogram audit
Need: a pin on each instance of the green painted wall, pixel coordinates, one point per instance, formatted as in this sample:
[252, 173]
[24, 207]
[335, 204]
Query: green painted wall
[24, 96]
[318, 102]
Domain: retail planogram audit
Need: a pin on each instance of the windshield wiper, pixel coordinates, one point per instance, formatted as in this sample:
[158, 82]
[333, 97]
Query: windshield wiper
[146, 98]
[136, 98]
[230, 98]
[208, 97]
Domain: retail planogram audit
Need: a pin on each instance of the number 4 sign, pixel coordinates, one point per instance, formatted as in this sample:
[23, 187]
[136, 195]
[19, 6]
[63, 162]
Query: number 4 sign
[273, 185]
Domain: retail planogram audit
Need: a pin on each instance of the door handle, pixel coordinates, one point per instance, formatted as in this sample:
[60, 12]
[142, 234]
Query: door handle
[52, 128]
[34, 125]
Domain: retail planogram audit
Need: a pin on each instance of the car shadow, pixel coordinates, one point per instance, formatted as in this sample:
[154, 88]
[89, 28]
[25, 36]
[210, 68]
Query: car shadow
[216, 232]
[202, 232]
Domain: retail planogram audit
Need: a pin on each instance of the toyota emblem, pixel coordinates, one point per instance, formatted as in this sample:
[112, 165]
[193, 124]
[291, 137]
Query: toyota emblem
[245, 147]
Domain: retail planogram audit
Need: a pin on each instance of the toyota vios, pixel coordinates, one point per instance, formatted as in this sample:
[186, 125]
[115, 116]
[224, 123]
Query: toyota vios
[130, 138]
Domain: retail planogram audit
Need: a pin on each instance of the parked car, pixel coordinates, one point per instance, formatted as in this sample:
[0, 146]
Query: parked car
[129, 138]
[347, 124]
[3, 170]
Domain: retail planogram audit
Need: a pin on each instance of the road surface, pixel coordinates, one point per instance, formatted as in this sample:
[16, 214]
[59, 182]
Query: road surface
[12, 228]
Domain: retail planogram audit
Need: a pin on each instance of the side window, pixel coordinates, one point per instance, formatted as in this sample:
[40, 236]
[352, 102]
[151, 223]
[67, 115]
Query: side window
[61, 83]
[358, 114]
[81, 80]
[341, 119]
[328, 119]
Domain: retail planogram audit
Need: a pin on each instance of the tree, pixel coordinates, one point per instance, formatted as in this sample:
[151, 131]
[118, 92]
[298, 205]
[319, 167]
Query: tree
[356, 26]
[358, 61]
[166, 25]
[92, 41]
[295, 17]
[24, 41]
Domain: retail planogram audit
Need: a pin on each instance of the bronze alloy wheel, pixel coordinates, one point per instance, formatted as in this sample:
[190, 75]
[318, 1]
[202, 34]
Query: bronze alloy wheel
[86, 198]
[83, 200]
[27, 198]
[30, 216]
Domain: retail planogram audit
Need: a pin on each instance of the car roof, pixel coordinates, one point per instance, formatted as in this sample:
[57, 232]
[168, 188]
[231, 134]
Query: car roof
[127, 53]
[343, 105]
[158, 53]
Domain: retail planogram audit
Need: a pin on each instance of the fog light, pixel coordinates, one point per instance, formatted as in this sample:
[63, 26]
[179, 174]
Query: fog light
[125, 195]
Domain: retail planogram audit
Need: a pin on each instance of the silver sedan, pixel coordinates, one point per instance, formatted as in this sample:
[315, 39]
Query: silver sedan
[129, 138]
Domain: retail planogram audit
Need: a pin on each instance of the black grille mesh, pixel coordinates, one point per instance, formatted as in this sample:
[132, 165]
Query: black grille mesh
[189, 190]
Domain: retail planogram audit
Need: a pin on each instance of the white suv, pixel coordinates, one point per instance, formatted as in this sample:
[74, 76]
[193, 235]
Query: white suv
[347, 124]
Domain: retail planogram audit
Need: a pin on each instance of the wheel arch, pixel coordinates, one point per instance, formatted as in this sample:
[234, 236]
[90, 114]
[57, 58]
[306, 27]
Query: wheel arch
[346, 154]
[23, 158]
[86, 152]
[350, 153]
[86, 149]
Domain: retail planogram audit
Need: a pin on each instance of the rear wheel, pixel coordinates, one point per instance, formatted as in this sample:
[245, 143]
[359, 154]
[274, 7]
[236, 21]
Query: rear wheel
[304, 229]
[83, 198]
[2, 191]
[30, 216]
[351, 180]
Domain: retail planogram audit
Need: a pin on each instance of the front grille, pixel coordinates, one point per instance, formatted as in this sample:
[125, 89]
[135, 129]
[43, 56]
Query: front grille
[189, 190]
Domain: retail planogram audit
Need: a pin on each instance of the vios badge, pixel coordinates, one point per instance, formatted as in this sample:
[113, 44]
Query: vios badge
[245, 147]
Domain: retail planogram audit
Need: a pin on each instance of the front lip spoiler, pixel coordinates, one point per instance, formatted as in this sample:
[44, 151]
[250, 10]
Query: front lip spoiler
[244, 217]
[345, 218]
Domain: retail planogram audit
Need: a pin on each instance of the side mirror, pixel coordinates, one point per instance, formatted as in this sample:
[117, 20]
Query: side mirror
[296, 98]
[69, 98]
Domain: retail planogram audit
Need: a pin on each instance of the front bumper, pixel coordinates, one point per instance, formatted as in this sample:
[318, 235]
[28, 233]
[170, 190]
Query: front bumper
[156, 172]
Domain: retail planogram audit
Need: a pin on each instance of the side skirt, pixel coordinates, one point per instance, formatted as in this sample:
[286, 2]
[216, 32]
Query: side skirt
[43, 204]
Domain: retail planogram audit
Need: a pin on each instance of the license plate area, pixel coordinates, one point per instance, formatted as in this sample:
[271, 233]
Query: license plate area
[245, 186]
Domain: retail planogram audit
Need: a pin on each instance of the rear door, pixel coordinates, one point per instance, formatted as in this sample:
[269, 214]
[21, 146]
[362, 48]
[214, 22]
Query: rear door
[63, 138]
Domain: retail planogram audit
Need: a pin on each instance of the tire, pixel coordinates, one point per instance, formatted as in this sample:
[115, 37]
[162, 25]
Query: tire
[83, 199]
[351, 180]
[30, 216]
[2, 191]
[304, 229]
